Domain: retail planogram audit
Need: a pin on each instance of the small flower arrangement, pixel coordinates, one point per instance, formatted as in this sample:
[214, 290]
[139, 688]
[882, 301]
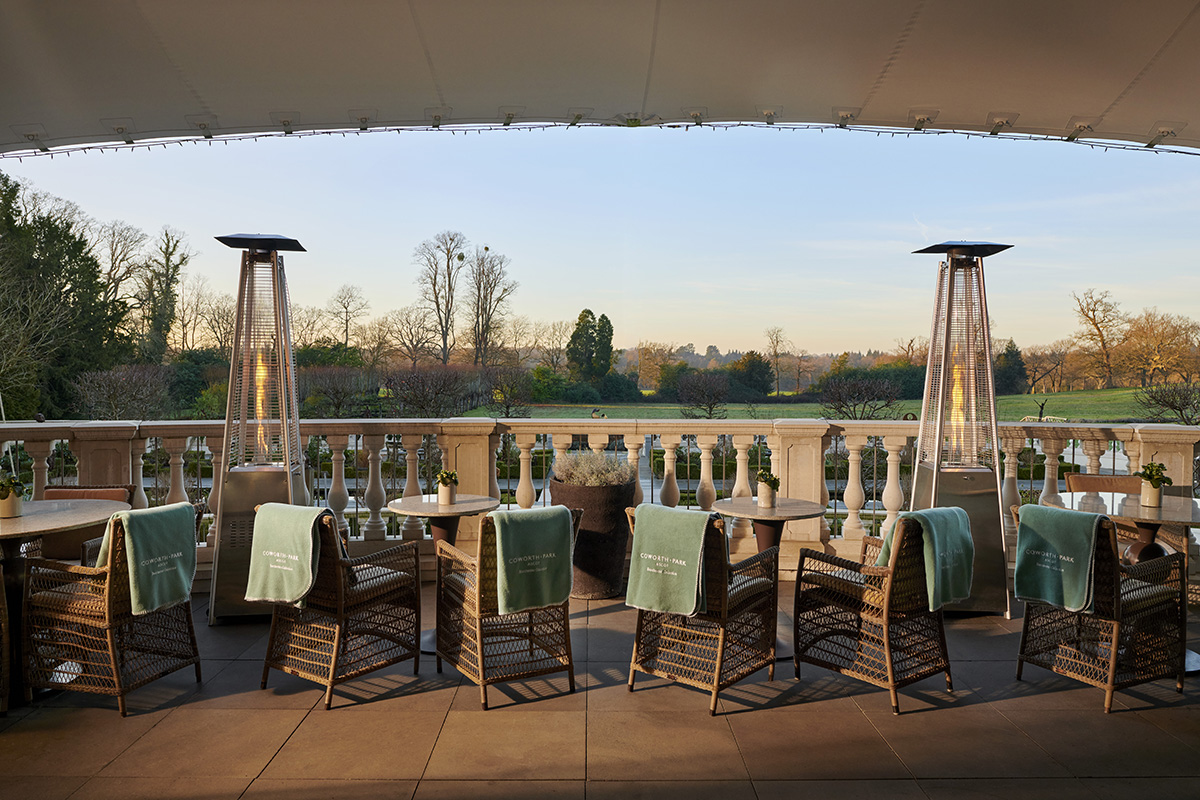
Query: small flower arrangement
[764, 476]
[446, 477]
[10, 484]
[1155, 474]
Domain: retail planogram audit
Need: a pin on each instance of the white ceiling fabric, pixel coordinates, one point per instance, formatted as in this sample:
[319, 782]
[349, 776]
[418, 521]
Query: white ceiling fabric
[81, 72]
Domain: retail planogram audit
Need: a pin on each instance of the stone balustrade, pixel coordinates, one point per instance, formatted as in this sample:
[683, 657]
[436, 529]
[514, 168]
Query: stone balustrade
[800, 451]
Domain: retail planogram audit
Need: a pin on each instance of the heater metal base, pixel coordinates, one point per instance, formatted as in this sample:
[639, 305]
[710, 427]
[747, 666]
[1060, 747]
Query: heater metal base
[242, 489]
[975, 491]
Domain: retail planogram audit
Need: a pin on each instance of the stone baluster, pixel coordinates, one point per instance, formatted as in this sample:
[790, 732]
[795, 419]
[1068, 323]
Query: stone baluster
[1133, 451]
[1010, 493]
[375, 528]
[854, 496]
[1094, 449]
[176, 447]
[216, 446]
[339, 497]
[668, 495]
[826, 529]
[1052, 448]
[706, 492]
[741, 481]
[493, 478]
[893, 495]
[40, 453]
[634, 442]
[597, 442]
[526, 493]
[413, 527]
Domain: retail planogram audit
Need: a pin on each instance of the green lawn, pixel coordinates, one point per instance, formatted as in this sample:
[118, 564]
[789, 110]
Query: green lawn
[1099, 405]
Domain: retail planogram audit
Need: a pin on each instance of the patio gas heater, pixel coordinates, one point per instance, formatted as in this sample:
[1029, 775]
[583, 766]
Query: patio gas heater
[262, 462]
[957, 446]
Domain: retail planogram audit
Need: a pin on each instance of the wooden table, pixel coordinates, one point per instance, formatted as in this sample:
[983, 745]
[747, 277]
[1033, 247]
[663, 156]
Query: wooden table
[1128, 508]
[443, 525]
[768, 529]
[40, 518]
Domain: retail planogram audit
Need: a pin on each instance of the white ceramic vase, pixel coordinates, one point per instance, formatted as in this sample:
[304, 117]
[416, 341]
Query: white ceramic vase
[766, 496]
[12, 506]
[1151, 495]
[446, 494]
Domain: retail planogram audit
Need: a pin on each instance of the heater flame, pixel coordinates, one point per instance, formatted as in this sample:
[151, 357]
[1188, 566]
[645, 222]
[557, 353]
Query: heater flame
[262, 451]
[957, 421]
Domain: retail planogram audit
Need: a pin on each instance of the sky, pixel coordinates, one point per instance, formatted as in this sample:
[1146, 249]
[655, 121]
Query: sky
[698, 235]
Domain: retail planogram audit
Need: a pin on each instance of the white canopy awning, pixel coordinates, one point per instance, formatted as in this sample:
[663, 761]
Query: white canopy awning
[81, 73]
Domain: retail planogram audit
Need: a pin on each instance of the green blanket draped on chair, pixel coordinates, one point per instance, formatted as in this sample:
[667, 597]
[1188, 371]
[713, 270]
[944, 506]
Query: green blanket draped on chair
[533, 558]
[1055, 556]
[949, 553]
[160, 548]
[666, 570]
[284, 553]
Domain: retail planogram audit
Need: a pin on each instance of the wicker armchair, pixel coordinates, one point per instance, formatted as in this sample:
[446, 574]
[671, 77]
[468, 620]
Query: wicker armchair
[66, 545]
[361, 615]
[484, 645]
[81, 634]
[871, 623]
[732, 639]
[1137, 632]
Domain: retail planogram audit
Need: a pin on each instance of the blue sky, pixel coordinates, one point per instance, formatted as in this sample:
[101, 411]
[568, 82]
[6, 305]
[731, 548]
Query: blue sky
[683, 235]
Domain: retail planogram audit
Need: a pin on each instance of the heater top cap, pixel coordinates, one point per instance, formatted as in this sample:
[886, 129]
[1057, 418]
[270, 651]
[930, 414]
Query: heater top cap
[260, 241]
[968, 249]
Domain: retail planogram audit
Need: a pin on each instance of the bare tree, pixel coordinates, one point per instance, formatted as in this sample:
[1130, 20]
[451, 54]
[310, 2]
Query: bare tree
[1177, 401]
[308, 325]
[121, 256]
[778, 345]
[802, 366]
[158, 292]
[1044, 364]
[336, 390]
[194, 298]
[488, 290]
[1157, 345]
[440, 260]
[345, 308]
[130, 391]
[220, 317]
[1102, 329]
[413, 332]
[860, 398]
[702, 395]
[440, 391]
[376, 343]
[519, 340]
[511, 392]
[552, 338]
[30, 317]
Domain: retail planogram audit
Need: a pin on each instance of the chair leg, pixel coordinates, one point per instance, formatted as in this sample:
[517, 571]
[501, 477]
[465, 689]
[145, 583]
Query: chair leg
[891, 672]
[637, 643]
[712, 705]
[198, 678]
[1021, 646]
[483, 696]
[1109, 688]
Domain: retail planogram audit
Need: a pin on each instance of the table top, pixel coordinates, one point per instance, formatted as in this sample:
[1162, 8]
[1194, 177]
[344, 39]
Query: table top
[426, 505]
[785, 509]
[1129, 508]
[52, 516]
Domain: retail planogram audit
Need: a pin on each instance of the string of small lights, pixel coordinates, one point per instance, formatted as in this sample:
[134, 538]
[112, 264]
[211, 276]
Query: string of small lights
[466, 130]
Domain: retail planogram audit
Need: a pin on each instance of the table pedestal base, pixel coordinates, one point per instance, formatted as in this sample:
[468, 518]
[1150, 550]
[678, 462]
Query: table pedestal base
[767, 534]
[442, 529]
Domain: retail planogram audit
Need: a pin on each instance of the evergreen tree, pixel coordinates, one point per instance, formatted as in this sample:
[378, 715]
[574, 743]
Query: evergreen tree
[581, 348]
[1009, 371]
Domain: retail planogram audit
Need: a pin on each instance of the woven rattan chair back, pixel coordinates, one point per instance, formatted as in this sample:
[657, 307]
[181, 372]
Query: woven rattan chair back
[5, 646]
[906, 586]
[1083, 482]
[362, 614]
[67, 544]
[1136, 632]
[731, 639]
[488, 603]
[81, 633]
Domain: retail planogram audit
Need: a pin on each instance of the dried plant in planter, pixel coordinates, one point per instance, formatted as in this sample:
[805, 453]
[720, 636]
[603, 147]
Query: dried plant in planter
[593, 469]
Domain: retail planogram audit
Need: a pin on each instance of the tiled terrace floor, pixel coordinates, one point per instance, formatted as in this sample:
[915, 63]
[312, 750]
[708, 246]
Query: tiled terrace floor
[393, 735]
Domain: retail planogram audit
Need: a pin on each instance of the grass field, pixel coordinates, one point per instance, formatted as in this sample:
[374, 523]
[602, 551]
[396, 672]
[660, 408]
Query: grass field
[1097, 405]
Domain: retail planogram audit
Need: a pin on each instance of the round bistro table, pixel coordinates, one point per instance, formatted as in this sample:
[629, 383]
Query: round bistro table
[443, 526]
[39, 518]
[768, 528]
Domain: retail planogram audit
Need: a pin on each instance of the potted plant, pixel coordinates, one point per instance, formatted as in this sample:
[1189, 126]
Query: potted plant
[1154, 477]
[11, 496]
[447, 481]
[768, 485]
[603, 488]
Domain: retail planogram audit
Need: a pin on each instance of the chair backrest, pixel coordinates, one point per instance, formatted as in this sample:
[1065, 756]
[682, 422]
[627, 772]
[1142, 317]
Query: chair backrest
[486, 577]
[908, 587]
[1106, 566]
[716, 563]
[122, 494]
[1082, 482]
[334, 547]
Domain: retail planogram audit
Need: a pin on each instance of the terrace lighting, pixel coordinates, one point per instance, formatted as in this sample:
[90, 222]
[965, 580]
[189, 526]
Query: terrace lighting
[957, 461]
[261, 461]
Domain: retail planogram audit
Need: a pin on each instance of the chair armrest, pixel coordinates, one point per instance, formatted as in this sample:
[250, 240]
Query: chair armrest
[872, 546]
[455, 558]
[46, 575]
[824, 562]
[89, 551]
[765, 564]
[1167, 569]
[401, 558]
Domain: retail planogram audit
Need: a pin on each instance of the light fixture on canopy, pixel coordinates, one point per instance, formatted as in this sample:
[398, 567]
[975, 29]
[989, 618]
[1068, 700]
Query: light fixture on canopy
[957, 462]
[261, 458]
